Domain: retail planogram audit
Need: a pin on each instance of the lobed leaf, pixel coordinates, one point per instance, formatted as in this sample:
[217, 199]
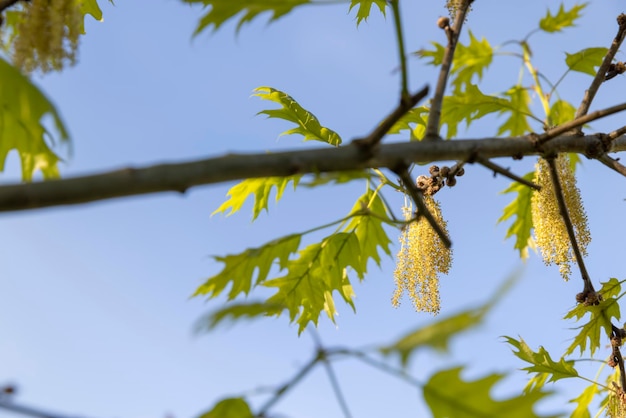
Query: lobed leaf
[260, 188]
[337, 177]
[469, 61]
[241, 10]
[448, 395]
[239, 269]
[518, 109]
[560, 112]
[24, 107]
[435, 55]
[586, 60]
[307, 124]
[414, 121]
[230, 408]
[562, 19]
[365, 7]
[90, 7]
[583, 401]
[542, 362]
[237, 311]
[600, 317]
[520, 211]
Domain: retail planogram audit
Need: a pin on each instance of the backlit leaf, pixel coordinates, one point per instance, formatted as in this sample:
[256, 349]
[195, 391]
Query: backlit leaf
[250, 268]
[237, 311]
[520, 212]
[23, 108]
[414, 121]
[583, 401]
[260, 188]
[448, 395]
[229, 408]
[307, 124]
[541, 362]
[241, 10]
[586, 61]
[562, 19]
[337, 177]
[435, 56]
[470, 61]
[90, 7]
[561, 112]
[365, 7]
[600, 317]
[518, 111]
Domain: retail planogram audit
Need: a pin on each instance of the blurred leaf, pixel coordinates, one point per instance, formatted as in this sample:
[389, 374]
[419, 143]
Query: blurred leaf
[469, 61]
[586, 60]
[90, 7]
[600, 318]
[583, 400]
[223, 10]
[561, 112]
[235, 312]
[365, 7]
[307, 124]
[542, 362]
[519, 209]
[519, 110]
[448, 395]
[23, 107]
[260, 188]
[417, 117]
[337, 177]
[435, 55]
[438, 334]
[229, 408]
[239, 269]
[563, 18]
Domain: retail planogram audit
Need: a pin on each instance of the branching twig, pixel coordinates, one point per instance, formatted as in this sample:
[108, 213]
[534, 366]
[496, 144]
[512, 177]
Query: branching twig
[432, 128]
[590, 93]
[417, 197]
[579, 121]
[334, 382]
[558, 191]
[505, 172]
[406, 104]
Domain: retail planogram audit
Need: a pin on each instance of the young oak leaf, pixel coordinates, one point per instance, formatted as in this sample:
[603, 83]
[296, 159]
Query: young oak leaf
[435, 56]
[448, 395]
[236, 312]
[230, 408]
[541, 362]
[561, 111]
[519, 110]
[586, 60]
[469, 61]
[583, 401]
[239, 269]
[519, 211]
[414, 121]
[365, 7]
[562, 19]
[601, 316]
[224, 10]
[260, 188]
[307, 124]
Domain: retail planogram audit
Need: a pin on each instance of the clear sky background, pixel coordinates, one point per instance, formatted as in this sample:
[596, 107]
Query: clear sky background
[95, 314]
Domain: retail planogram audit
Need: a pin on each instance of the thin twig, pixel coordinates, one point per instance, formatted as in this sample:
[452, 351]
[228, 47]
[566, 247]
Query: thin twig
[27, 410]
[381, 130]
[616, 342]
[617, 133]
[334, 382]
[612, 163]
[590, 93]
[399, 373]
[579, 121]
[418, 198]
[404, 83]
[558, 191]
[505, 172]
[432, 128]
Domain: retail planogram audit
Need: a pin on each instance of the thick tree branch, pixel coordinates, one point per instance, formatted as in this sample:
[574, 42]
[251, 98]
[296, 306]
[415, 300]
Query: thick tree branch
[453, 33]
[590, 93]
[181, 176]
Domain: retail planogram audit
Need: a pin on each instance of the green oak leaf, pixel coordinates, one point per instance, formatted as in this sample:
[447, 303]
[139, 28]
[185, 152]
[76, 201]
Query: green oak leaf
[541, 362]
[561, 111]
[518, 110]
[562, 19]
[307, 124]
[90, 7]
[365, 7]
[242, 10]
[470, 60]
[435, 56]
[229, 408]
[414, 121]
[235, 312]
[250, 268]
[520, 211]
[260, 188]
[600, 317]
[586, 60]
[583, 401]
[448, 395]
[338, 177]
[23, 108]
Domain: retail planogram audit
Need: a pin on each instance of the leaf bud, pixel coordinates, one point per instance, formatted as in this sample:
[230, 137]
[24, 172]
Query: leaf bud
[460, 172]
[451, 181]
[443, 22]
[445, 170]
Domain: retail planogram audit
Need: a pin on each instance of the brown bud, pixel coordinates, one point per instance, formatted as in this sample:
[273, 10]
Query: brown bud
[460, 172]
[451, 181]
[443, 22]
[433, 170]
[580, 297]
[445, 170]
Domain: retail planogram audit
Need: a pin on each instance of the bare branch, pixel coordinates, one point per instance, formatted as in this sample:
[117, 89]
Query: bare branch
[590, 93]
[612, 163]
[505, 172]
[453, 33]
[179, 177]
[27, 410]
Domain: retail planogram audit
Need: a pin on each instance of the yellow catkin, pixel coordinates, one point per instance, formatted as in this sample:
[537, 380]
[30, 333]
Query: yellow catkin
[420, 261]
[550, 232]
[47, 34]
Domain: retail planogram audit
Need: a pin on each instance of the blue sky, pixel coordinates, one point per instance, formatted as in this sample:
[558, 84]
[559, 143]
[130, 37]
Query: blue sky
[94, 302]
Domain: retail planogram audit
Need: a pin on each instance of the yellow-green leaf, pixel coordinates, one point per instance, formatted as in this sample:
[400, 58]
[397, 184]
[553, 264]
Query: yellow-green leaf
[307, 124]
[541, 362]
[583, 401]
[561, 112]
[518, 111]
[365, 7]
[237, 311]
[470, 60]
[586, 60]
[229, 408]
[435, 55]
[562, 19]
[520, 211]
[414, 121]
